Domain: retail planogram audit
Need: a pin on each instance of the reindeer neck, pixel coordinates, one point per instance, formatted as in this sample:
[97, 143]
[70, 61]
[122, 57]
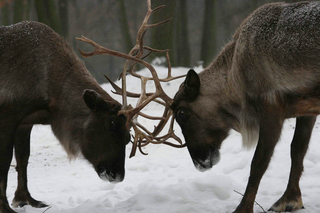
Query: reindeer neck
[68, 110]
[219, 82]
[215, 79]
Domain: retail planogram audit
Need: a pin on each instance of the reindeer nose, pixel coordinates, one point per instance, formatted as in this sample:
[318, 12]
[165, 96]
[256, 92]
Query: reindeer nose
[112, 175]
[207, 161]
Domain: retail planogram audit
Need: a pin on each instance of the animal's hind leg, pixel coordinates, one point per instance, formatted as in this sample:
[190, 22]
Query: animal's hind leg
[22, 151]
[291, 199]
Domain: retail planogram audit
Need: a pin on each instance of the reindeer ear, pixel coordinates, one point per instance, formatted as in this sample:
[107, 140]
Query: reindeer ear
[192, 85]
[93, 100]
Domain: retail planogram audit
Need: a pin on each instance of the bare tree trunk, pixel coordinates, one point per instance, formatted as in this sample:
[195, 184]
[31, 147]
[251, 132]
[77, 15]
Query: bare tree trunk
[18, 7]
[53, 15]
[41, 12]
[125, 27]
[28, 9]
[208, 35]
[64, 17]
[162, 37]
[182, 48]
[5, 14]
[47, 14]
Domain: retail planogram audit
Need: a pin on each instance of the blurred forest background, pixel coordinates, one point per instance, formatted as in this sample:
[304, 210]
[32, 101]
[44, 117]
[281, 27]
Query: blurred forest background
[196, 34]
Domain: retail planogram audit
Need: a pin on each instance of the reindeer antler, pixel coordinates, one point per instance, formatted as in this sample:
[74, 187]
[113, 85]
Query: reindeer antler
[142, 135]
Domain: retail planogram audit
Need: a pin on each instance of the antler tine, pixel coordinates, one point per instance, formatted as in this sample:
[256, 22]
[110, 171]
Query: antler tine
[142, 31]
[138, 139]
[169, 76]
[151, 117]
[159, 23]
[166, 115]
[119, 91]
[149, 13]
[94, 44]
[99, 50]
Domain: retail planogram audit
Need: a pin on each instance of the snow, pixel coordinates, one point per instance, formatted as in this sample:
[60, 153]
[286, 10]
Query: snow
[165, 180]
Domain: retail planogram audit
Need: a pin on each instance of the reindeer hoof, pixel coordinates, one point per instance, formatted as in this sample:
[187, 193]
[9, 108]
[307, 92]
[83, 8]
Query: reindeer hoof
[287, 206]
[32, 202]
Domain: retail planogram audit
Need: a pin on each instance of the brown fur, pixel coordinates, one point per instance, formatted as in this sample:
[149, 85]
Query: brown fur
[269, 72]
[42, 81]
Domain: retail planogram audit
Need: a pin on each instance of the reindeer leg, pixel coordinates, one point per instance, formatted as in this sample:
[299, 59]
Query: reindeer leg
[6, 151]
[291, 199]
[22, 152]
[270, 130]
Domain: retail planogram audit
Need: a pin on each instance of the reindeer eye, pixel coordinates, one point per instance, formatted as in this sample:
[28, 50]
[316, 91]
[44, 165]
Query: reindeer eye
[182, 115]
[113, 124]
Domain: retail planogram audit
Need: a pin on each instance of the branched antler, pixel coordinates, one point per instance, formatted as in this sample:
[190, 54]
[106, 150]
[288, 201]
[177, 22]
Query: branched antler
[136, 56]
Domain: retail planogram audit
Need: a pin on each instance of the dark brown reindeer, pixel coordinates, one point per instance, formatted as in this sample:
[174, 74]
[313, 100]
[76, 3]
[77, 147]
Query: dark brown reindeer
[269, 72]
[42, 81]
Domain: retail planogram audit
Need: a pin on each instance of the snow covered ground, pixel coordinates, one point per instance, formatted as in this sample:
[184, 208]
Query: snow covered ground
[165, 180]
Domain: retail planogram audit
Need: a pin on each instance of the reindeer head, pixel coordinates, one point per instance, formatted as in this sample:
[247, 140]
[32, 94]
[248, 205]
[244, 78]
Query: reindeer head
[104, 137]
[203, 122]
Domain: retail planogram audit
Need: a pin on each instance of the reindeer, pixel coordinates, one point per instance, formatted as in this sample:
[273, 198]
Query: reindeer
[267, 73]
[42, 81]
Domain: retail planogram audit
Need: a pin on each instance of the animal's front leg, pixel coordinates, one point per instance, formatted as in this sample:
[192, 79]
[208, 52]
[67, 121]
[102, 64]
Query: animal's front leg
[291, 199]
[22, 151]
[270, 129]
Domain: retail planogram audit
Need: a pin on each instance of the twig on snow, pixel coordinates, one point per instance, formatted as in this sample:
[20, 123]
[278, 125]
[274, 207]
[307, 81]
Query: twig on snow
[254, 201]
[49, 207]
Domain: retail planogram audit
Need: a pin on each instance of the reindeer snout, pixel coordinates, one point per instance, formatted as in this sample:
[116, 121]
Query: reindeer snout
[207, 159]
[113, 175]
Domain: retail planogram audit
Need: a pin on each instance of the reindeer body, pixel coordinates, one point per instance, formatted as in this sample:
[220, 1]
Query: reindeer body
[42, 81]
[269, 72]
